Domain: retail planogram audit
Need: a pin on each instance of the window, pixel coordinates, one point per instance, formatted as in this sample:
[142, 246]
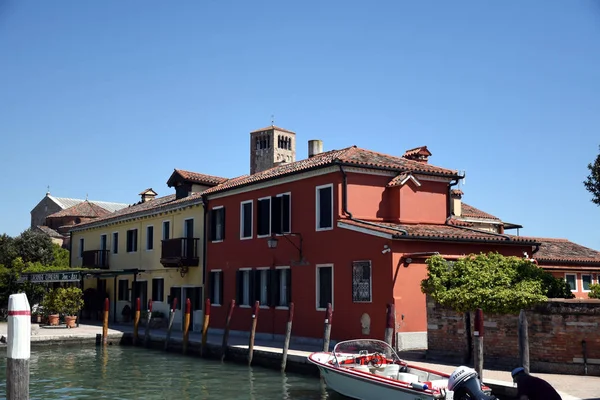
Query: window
[572, 281]
[263, 217]
[586, 281]
[261, 286]
[81, 244]
[246, 219]
[132, 240]
[324, 207]
[361, 281]
[217, 224]
[115, 243]
[324, 286]
[243, 286]
[166, 230]
[216, 287]
[282, 287]
[123, 290]
[158, 289]
[149, 237]
[281, 213]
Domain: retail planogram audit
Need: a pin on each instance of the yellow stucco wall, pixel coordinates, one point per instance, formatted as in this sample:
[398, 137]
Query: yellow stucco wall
[148, 260]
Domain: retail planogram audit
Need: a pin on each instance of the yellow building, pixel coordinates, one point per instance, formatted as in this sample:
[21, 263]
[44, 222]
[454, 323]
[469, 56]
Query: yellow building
[153, 250]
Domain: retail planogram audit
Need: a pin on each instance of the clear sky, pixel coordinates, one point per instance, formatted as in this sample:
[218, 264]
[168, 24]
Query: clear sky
[106, 98]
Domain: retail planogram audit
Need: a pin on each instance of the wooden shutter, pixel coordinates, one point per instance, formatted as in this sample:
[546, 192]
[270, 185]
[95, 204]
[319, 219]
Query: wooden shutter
[222, 223]
[239, 283]
[221, 287]
[213, 225]
[289, 286]
[285, 213]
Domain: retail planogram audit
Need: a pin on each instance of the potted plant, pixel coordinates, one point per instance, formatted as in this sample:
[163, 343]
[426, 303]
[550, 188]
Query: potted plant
[50, 307]
[70, 302]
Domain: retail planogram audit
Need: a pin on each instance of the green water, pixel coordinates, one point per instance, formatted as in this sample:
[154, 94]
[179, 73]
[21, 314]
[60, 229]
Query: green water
[123, 372]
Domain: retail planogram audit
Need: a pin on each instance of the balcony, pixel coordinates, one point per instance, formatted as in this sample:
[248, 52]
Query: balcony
[180, 252]
[95, 259]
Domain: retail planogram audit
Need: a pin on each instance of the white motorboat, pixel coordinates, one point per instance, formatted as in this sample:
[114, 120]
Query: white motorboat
[369, 369]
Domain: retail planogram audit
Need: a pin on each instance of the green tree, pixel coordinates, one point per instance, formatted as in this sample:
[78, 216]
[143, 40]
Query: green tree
[492, 282]
[8, 250]
[592, 183]
[60, 256]
[594, 291]
[34, 247]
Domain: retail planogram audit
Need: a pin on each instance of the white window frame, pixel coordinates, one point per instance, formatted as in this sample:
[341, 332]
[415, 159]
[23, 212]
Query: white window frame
[81, 247]
[576, 285]
[251, 202]
[591, 282]
[245, 286]
[211, 222]
[147, 227]
[290, 210]
[370, 281]
[220, 271]
[270, 216]
[318, 207]
[112, 243]
[264, 270]
[281, 284]
[163, 229]
[317, 284]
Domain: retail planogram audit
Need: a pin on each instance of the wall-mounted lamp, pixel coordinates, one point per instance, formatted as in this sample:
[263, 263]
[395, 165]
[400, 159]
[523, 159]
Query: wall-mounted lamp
[272, 242]
[183, 271]
[407, 261]
[386, 249]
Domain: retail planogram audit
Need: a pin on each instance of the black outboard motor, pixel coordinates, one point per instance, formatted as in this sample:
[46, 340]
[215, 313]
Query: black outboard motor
[465, 384]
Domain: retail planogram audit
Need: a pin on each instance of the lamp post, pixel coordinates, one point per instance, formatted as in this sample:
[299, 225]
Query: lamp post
[273, 241]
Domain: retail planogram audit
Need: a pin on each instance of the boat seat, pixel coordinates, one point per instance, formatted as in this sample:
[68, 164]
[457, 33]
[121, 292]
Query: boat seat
[407, 377]
[389, 371]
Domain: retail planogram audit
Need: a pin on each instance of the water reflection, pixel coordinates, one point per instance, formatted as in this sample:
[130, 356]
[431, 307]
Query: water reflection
[115, 372]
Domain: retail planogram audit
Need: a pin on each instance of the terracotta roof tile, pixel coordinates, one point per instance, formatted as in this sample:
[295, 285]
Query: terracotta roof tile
[200, 178]
[398, 179]
[469, 211]
[84, 209]
[153, 206]
[268, 128]
[49, 231]
[437, 232]
[563, 250]
[350, 156]
[457, 192]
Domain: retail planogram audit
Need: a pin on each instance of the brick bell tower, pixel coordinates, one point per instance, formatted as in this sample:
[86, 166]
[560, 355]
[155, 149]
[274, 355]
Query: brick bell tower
[270, 147]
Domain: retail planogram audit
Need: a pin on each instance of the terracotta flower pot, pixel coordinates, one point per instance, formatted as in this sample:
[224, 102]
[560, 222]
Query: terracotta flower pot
[53, 319]
[70, 321]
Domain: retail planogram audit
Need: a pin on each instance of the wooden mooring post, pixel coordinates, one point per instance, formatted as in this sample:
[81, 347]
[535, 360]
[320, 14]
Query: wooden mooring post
[253, 331]
[136, 321]
[170, 327]
[186, 325]
[105, 322]
[226, 331]
[327, 332]
[390, 321]
[478, 343]
[288, 334]
[205, 327]
[147, 330]
[523, 341]
[18, 351]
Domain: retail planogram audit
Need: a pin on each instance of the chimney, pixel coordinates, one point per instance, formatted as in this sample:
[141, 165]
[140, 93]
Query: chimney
[148, 195]
[456, 202]
[314, 147]
[420, 154]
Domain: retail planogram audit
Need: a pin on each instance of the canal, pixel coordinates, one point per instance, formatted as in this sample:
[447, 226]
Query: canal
[126, 372]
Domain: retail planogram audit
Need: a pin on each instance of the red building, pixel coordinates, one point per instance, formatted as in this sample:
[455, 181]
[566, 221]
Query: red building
[350, 227]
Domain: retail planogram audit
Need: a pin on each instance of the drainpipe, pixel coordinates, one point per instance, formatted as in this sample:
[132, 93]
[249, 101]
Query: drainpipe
[453, 182]
[204, 240]
[349, 214]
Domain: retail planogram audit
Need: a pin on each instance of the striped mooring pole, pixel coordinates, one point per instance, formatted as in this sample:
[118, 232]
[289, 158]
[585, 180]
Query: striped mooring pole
[18, 347]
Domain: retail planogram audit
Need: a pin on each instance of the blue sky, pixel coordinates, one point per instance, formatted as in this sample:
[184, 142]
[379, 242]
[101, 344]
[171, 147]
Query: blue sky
[106, 98]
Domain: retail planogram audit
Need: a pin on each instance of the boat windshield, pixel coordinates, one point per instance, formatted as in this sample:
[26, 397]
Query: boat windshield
[364, 347]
